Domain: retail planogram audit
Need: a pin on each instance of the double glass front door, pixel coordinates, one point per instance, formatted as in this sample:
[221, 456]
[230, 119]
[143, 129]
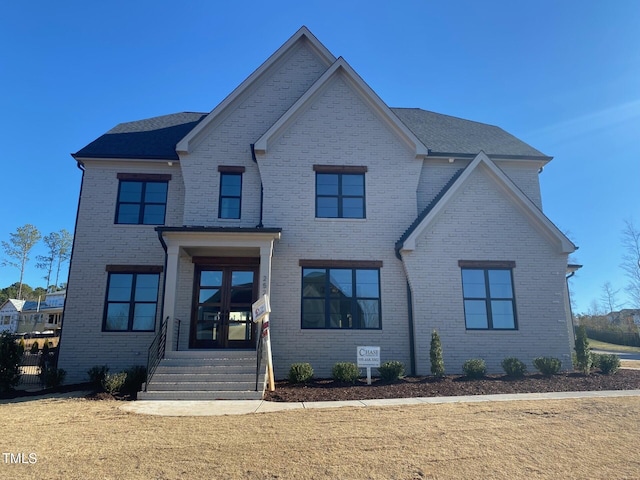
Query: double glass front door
[222, 307]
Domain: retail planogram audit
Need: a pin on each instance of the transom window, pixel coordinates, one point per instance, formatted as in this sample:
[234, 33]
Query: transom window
[341, 298]
[131, 302]
[141, 202]
[230, 195]
[488, 299]
[340, 194]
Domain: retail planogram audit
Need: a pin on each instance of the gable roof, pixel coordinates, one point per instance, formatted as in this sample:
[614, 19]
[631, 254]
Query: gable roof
[340, 65]
[16, 304]
[301, 35]
[449, 136]
[152, 138]
[532, 212]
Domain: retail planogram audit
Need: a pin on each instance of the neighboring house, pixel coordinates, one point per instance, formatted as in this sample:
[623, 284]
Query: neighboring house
[10, 315]
[366, 225]
[39, 316]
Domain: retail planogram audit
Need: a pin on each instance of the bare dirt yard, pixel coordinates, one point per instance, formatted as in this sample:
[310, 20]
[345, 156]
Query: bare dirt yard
[83, 439]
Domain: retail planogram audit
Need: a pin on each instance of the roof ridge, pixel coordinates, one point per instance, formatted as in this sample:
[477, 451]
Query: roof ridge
[428, 209]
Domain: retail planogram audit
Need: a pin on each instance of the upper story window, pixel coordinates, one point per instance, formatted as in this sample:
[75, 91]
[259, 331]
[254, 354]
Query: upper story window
[230, 202]
[340, 191]
[142, 199]
[340, 294]
[132, 298]
[489, 302]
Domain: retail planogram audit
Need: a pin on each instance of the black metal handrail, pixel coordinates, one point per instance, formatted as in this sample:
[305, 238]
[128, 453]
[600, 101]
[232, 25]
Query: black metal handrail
[156, 351]
[259, 354]
[176, 324]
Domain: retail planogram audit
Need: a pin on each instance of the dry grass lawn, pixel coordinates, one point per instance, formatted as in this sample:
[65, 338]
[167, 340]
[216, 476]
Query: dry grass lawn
[81, 439]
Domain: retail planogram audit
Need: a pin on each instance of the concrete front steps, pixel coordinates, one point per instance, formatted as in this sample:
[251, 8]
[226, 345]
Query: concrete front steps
[206, 375]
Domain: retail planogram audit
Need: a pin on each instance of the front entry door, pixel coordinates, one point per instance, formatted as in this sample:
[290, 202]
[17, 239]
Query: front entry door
[222, 307]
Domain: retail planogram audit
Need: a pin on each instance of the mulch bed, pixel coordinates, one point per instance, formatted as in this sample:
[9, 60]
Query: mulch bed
[452, 385]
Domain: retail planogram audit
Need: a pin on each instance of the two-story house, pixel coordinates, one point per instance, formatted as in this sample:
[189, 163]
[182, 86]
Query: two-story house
[365, 225]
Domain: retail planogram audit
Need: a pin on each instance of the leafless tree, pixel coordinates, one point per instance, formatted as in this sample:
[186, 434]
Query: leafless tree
[18, 248]
[609, 298]
[631, 260]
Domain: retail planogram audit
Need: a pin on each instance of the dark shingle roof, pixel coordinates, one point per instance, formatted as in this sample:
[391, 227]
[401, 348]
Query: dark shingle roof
[152, 138]
[156, 138]
[447, 136]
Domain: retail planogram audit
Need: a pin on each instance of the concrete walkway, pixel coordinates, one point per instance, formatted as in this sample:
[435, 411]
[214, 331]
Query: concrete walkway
[186, 408]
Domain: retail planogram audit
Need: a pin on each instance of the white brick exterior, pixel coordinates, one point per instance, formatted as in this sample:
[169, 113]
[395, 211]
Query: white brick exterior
[340, 125]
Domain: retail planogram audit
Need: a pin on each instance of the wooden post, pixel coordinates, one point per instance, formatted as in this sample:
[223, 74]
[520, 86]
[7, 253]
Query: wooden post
[267, 333]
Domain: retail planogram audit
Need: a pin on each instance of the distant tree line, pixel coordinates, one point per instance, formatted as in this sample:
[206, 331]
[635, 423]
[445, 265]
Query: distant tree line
[17, 255]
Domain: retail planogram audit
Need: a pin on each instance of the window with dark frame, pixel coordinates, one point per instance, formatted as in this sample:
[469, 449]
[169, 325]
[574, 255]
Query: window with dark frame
[142, 199]
[489, 301]
[340, 191]
[230, 199]
[131, 302]
[340, 298]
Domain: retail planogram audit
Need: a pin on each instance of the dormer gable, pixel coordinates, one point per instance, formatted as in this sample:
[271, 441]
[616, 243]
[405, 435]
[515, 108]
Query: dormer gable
[302, 36]
[342, 68]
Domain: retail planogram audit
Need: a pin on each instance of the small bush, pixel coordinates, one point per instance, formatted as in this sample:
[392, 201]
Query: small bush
[52, 377]
[96, 376]
[547, 365]
[345, 372]
[474, 368]
[583, 351]
[300, 372]
[10, 358]
[45, 349]
[607, 363]
[21, 346]
[391, 370]
[514, 367]
[34, 348]
[435, 353]
[136, 376]
[113, 383]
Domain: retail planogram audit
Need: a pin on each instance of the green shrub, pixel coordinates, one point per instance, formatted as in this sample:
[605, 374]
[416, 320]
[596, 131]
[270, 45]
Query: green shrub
[300, 372]
[607, 363]
[34, 348]
[514, 367]
[391, 370]
[547, 365]
[136, 376]
[114, 382]
[10, 358]
[474, 368]
[345, 372]
[435, 352]
[52, 377]
[45, 348]
[96, 376]
[583, 352]
[21, 346]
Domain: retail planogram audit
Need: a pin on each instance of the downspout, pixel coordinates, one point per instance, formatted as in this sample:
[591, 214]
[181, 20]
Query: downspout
[570, 308]
[255, 160]
[80, 166]
[164, 271]
[412, 348]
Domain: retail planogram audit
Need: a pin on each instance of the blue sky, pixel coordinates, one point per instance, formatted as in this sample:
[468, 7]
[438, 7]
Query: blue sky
[564, 76]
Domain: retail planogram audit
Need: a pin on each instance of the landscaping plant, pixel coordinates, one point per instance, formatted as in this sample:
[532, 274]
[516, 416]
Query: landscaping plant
[52, 377]
[34, 348]
[435, 352]
[113, 383]
[300, 372]
[136, 376]
[547, 365]
[10, 358]
[391, 370]
[607, 363]
[345, 372]
[583, 351]
[96, 376]
[474, 368]
[514, 367]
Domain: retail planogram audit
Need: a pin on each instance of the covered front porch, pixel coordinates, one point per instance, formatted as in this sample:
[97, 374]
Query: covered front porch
[212, 276]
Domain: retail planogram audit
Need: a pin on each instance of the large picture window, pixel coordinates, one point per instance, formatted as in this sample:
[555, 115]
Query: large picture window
[340, 192]
[340, 298]
[131, 303]
[489, 302]
[141, 201]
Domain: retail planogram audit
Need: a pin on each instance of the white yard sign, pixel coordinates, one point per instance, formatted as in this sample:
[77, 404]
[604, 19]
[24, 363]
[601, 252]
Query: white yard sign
[368, 357]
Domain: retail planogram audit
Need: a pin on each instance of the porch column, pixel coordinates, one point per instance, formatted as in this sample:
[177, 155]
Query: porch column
[171, 285]
[266, 252]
